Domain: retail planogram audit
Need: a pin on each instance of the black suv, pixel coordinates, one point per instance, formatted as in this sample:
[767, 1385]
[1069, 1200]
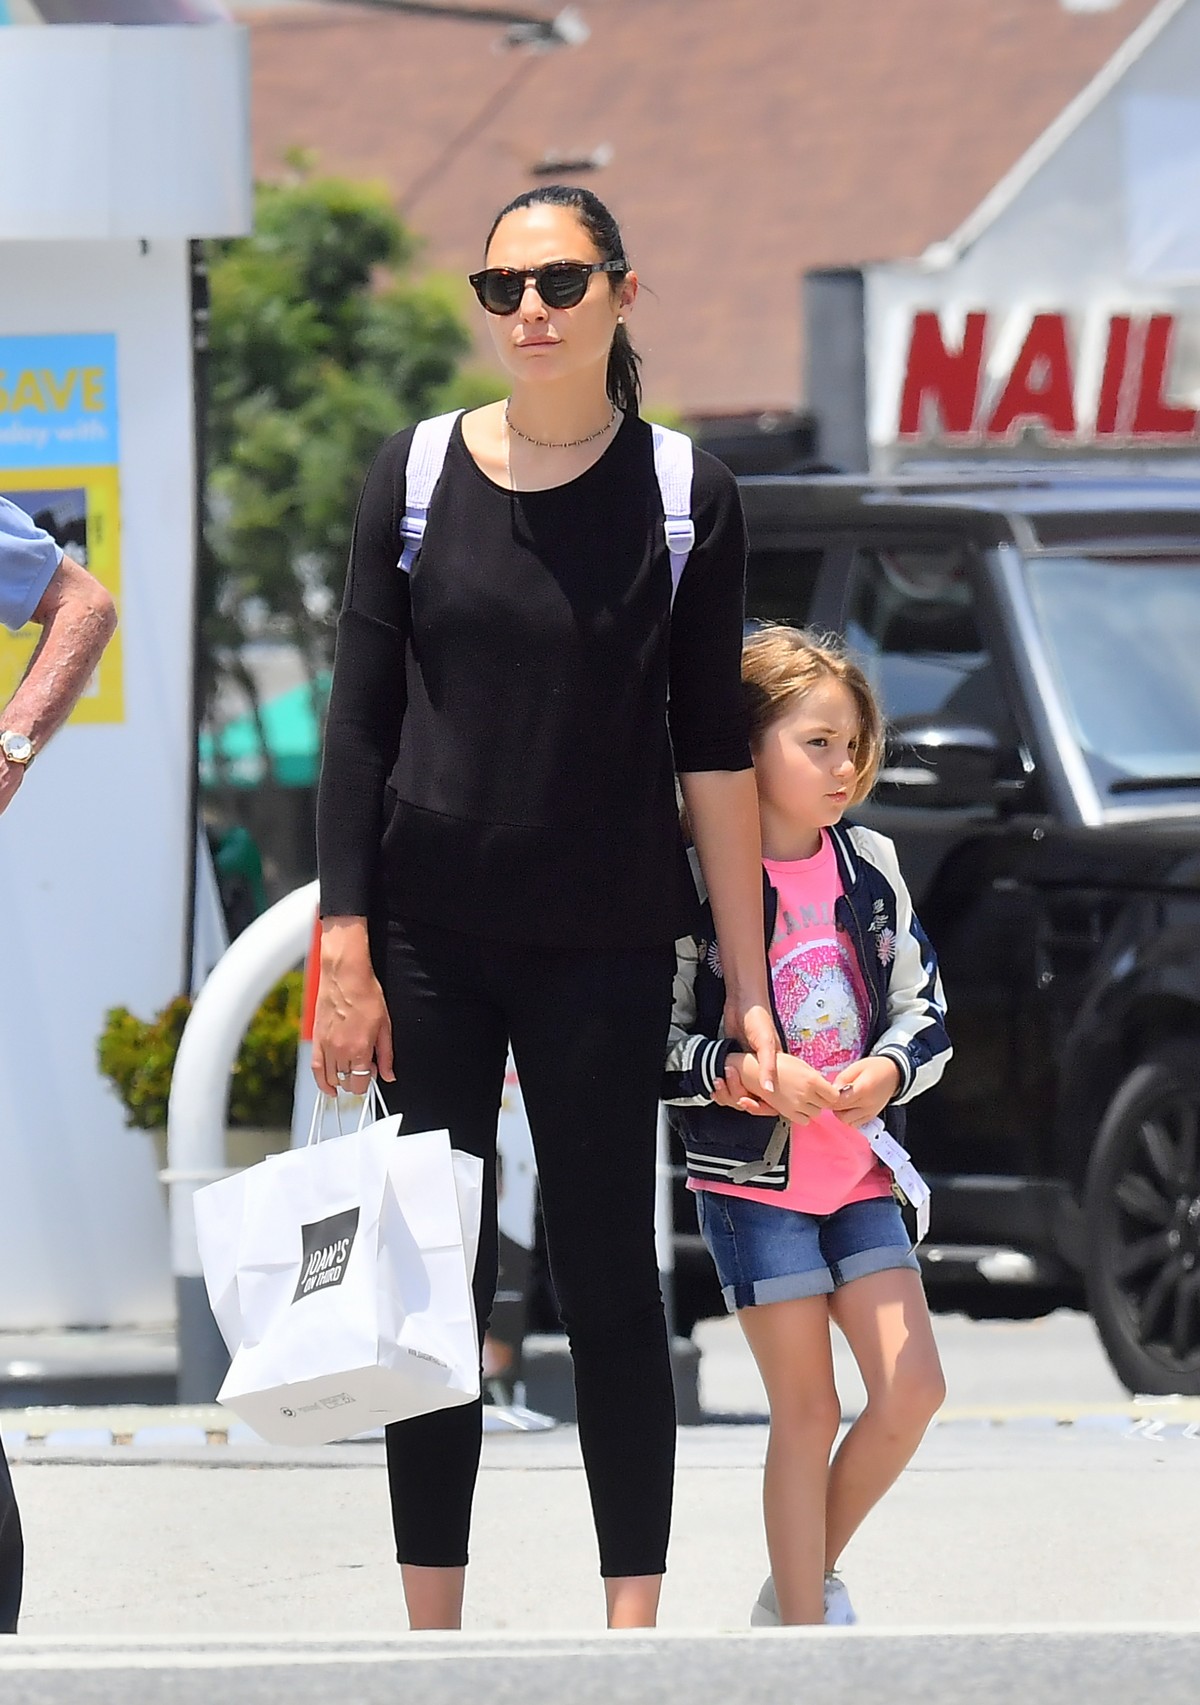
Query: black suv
[1035, 642]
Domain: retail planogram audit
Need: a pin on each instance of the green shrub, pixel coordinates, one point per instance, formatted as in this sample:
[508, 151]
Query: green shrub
[264, 1075]
[138, 1059]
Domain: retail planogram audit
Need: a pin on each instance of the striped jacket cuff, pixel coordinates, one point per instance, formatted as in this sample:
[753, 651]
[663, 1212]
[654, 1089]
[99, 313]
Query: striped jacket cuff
[903, 1064]
[710, 1063]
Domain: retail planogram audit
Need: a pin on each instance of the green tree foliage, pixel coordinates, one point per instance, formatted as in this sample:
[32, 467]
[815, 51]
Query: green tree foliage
[321, 345]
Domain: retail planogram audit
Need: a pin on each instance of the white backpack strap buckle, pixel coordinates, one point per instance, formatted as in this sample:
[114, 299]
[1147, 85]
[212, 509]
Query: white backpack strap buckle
[681, 534]
[673, 470]
[426, 455]
[412, 531]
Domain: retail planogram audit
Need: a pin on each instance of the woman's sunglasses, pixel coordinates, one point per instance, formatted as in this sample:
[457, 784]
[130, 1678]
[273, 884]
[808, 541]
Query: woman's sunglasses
[560, 284]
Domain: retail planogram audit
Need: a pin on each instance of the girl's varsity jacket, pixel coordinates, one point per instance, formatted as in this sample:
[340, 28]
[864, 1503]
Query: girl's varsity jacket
[906, 1024]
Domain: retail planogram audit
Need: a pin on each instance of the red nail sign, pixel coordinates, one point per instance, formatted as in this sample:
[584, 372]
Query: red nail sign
[944, 398]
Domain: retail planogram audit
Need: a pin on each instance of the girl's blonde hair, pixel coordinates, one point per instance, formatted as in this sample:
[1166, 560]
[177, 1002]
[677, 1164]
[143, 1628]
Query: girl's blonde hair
[780, 665]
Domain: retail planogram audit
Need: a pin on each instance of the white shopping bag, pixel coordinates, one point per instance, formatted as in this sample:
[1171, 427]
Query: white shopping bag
[339, 1275]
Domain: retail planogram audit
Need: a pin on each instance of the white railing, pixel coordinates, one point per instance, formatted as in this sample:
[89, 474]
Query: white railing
[208, 1049]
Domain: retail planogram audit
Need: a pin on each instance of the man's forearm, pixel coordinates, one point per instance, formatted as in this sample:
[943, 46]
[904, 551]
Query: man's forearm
[78, 623]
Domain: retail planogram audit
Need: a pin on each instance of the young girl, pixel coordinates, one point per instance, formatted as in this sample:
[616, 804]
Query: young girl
[800, 1215]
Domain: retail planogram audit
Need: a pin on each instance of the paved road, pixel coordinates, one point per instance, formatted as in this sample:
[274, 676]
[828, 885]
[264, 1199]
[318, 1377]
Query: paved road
[1019, 1558]
[836, 1668]
[1054, 1360]
[1018, 1524]
[996, 1365]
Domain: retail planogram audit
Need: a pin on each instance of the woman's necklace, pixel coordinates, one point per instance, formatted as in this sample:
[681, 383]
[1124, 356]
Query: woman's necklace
[554, 444]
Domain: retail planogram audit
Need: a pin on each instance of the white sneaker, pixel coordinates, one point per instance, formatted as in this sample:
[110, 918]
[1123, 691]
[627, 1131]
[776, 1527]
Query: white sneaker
[766, 1607]
[839, 1612]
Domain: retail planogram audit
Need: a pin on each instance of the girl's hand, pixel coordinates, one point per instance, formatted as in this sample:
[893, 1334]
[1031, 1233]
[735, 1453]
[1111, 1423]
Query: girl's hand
[731, 1091]
[865, 1088]
[802, 1093]
[352, 1033]
[799, 1095]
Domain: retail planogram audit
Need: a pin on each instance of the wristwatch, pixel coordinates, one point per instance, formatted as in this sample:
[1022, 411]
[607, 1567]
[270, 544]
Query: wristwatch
[17, 748]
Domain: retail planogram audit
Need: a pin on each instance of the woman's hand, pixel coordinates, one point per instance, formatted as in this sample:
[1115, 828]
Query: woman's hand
[352, 1034]
[752, 1023]
[865, 1088]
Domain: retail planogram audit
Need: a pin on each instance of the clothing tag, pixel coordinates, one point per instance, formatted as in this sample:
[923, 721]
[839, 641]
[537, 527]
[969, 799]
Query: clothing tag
[900, 1165]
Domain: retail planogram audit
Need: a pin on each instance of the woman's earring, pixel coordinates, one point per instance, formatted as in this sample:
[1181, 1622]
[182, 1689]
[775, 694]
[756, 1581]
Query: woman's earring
[620, 319]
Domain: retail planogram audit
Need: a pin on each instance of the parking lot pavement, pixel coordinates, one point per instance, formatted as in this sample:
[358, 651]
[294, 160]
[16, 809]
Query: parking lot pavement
[838, 1667]
[993, 1366]
[1044, 1496]
[1020, 1523]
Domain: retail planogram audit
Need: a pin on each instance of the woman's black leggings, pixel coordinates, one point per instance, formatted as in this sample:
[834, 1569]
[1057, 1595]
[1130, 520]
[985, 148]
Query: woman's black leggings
[12, 1552]
[588, 1030]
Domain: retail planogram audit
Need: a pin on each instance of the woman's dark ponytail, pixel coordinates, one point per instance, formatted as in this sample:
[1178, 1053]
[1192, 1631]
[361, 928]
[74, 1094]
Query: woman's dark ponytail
[623, 380]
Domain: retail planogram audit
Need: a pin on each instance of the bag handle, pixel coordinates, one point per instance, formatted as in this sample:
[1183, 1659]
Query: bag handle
[373, 1106]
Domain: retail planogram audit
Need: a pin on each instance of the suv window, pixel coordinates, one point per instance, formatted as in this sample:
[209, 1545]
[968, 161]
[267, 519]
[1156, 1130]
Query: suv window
[910, 621]
[780, 581]
[1122, 634]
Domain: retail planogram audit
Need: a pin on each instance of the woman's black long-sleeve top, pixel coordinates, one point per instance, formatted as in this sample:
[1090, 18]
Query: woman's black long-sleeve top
[505, 723]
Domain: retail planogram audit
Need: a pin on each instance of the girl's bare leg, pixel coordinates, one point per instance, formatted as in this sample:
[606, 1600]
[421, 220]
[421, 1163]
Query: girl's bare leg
[790, 1343]
[632, 1600]
[434, 1596]
[886, 1322]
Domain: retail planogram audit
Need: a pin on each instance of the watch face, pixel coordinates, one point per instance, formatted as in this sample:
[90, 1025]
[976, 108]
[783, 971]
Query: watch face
[17, 748]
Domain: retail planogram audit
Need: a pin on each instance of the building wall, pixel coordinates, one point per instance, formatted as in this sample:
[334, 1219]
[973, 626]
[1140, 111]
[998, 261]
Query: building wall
[748, 142]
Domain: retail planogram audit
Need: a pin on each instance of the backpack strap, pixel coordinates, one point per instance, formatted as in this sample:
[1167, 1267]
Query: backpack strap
[426, 454]
[673, 470]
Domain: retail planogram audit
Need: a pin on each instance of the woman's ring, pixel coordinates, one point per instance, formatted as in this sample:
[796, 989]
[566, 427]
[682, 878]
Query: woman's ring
[364, 1071]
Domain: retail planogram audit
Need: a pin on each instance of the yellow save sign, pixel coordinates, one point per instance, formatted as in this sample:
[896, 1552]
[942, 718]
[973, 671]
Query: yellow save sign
[80, 506]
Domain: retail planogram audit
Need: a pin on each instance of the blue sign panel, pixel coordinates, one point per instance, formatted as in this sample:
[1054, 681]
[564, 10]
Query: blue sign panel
[58, 401]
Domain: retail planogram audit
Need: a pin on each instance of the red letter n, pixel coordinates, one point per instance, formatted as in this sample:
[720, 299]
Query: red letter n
[948, 378]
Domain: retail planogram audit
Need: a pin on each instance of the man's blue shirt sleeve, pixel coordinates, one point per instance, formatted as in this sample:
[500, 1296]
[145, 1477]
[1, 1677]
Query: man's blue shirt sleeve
[28, 559]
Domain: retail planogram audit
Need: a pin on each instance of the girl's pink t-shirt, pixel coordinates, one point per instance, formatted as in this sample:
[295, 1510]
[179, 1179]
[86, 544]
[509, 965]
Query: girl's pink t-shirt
[823, 1007]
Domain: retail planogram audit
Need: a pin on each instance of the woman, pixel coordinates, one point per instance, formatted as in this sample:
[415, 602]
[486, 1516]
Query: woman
[500, 856]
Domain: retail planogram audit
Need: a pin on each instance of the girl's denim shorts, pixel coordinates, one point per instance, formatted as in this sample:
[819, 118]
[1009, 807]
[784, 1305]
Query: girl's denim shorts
[766, 1253]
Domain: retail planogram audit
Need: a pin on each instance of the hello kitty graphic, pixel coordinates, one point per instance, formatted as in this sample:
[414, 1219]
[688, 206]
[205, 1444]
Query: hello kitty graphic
[815, 995]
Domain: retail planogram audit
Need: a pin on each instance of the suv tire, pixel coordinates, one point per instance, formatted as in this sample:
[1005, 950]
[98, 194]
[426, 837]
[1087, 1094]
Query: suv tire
[1142, 1209]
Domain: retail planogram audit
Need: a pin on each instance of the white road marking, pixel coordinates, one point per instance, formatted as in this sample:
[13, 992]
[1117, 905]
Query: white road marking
[250, 1652]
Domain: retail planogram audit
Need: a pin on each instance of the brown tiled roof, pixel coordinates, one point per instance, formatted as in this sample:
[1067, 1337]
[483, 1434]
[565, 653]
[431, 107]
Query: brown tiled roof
[751, 139]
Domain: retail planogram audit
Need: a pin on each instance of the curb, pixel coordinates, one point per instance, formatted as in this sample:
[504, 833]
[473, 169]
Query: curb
[159, 1428]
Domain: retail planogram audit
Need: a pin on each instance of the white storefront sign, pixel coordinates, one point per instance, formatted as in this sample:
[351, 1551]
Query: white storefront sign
[1088, 378]
[1063, 318]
